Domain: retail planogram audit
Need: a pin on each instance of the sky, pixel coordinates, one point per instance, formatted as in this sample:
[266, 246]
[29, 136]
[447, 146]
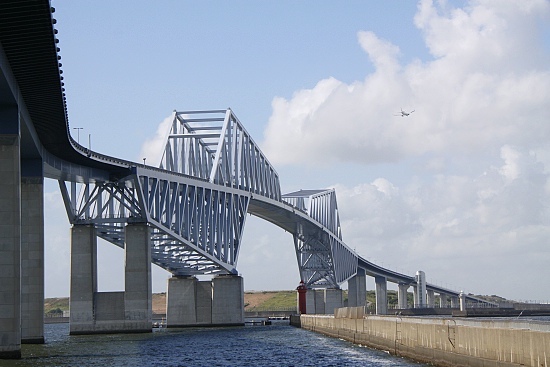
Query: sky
[459, 189]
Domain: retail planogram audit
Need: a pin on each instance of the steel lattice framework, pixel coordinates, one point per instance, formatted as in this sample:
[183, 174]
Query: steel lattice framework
[196, 203]
[320, 251]
[213, 145]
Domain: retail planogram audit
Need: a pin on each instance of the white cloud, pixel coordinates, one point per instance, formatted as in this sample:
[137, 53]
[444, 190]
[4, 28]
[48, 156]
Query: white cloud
[457, 227]
[487, 85]
[153, 148]
[473, 208]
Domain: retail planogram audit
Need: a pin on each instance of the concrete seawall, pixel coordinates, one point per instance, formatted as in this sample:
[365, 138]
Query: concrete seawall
[441, 341]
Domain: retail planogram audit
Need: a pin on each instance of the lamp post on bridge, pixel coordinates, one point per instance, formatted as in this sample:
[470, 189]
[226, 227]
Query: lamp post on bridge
[78, 133]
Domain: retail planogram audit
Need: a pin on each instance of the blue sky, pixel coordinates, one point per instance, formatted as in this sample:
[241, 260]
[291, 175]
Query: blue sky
[459, 189]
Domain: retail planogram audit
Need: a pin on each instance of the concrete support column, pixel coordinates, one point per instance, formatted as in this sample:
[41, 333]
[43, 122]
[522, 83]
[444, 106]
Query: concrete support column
[420, 299]
[138, 304]
[319, 301]
[32, 260]
[357, 289]
[462, 301]
[454, 302]
[431, 298]
[204, 302]
[181, 302]
[442, 300]
[227, 300]
[381, 291]
[310, 302]
[402, 299]
[333, 299]
[415, 296]
[10, 239]
[83, 279]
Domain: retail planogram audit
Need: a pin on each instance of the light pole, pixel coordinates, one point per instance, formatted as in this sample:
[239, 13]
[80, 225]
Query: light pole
[78, 133]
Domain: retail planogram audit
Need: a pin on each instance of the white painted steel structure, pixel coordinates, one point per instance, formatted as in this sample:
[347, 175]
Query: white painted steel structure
[210, 174]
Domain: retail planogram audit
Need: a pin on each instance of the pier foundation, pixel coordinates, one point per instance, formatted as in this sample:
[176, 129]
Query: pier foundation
[181, 301]
[227, 300]
[333, 300]
[95, 312]
[219, 302]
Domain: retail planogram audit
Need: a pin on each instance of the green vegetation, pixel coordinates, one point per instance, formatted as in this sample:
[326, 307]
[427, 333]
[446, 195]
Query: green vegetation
[56, 305]
[274, 300]
[267, 300]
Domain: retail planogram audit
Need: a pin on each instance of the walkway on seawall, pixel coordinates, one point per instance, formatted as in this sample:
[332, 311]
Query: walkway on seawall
[440, 341]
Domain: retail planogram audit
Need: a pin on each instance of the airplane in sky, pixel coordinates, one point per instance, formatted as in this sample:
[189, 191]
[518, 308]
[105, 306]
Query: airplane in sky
[403, 113]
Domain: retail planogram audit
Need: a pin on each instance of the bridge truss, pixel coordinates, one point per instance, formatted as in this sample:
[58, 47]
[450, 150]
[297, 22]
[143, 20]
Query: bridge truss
[197, 200]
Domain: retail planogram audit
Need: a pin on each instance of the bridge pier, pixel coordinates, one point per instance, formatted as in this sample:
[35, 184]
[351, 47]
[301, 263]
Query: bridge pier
[381, 292]
[443, 300]
[10, 235]
[208, 303]
[32, 260]
[181, 301]
[462, 301]
[333, 299]
[323, 301]
[357, 289]
[420, 290]
[95, 312]
[454, 302]
[402, 300]
[431, 298]
[227, 300]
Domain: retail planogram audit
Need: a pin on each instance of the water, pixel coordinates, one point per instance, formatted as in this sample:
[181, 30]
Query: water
[274, 345]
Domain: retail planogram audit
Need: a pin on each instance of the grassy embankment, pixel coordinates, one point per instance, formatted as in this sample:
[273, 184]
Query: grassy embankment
[266, 300]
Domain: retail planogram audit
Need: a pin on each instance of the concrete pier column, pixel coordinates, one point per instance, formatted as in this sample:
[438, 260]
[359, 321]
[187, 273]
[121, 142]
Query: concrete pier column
[402, 299]
[10, 237]
[181, 301]
[310, 302]
[420, 299]
[381, 291]
[83, 279]
[227, 300]
[357, 289]
[442, 300]
[333, 299]
[431, 298]
[319, 301]
[415, 296]
[454, 302]
[204, 302]
[462, 301]
[32, 260]
[138, 304]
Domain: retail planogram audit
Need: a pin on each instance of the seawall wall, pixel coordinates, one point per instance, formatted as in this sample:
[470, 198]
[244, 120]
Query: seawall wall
[441, 341]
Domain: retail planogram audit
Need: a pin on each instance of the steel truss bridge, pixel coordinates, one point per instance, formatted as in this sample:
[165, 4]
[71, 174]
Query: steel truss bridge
[211, 175]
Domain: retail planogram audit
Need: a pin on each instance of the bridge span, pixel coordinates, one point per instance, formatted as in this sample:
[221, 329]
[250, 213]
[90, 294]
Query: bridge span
[186, 216]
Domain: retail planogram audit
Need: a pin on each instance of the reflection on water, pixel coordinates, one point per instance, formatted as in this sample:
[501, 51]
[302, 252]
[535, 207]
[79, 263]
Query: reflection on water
[275, 345]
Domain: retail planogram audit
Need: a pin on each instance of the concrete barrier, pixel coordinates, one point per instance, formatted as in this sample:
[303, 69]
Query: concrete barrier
[441, 341]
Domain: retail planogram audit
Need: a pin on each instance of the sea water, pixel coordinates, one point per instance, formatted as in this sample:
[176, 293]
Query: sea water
[278, 344]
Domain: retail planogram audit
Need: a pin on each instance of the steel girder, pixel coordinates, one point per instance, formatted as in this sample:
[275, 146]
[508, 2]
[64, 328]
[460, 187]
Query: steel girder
[323, 259]
[213, 145]
[196, 226]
